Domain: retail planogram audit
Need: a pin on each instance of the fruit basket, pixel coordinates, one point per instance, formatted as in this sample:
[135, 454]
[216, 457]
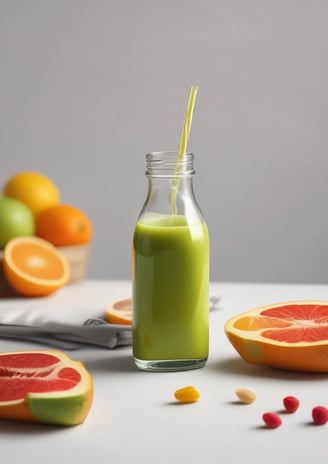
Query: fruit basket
[78, 257]
[37, 231]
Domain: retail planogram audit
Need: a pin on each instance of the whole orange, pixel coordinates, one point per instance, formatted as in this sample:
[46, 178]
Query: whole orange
[34, 189]
[64, 225]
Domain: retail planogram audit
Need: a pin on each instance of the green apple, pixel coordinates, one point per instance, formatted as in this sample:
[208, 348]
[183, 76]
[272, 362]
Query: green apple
[16, 219]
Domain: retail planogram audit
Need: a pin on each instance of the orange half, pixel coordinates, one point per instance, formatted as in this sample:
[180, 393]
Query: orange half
[119, 312]
[34, 267]
[290, 335]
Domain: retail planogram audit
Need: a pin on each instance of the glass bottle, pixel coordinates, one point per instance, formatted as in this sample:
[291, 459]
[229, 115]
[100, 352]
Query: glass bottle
[170, 270]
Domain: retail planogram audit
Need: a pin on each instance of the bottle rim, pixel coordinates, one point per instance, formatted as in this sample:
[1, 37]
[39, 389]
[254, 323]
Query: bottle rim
[166, 164]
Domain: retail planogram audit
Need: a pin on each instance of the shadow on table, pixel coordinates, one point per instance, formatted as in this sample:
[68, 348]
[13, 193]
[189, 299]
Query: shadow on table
[28, 428]
[237, 366]
[121, 363]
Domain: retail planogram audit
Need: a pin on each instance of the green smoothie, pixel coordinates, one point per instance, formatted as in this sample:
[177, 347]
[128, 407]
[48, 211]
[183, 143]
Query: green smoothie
[170, 288]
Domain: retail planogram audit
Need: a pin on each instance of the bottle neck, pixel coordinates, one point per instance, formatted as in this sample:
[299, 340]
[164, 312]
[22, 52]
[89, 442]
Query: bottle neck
[170, 189]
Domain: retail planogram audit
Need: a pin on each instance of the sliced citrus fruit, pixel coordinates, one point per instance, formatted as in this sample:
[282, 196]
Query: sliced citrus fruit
[288, 335]
[34, 267]
[44, 386]
[119, 312]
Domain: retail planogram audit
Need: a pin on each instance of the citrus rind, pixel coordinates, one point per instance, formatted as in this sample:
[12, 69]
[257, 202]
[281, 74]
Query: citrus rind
[119, 312]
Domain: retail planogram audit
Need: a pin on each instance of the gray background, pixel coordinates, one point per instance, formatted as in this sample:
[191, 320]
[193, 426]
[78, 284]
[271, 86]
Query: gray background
[88, 87]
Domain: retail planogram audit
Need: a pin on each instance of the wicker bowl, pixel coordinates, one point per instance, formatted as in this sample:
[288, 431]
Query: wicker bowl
[78, 258]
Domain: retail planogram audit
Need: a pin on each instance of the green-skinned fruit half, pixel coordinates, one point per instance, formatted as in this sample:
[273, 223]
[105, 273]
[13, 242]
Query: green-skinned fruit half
[44, 386]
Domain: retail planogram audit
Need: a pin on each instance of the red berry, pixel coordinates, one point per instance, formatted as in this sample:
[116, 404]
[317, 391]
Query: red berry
[271, 420]
[291, 403]
[320, 415]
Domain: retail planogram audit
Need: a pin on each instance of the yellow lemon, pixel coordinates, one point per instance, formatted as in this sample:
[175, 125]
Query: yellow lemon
[35, 190]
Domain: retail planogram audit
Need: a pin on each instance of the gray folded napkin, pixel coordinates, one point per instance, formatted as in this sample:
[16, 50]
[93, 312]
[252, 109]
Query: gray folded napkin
[67, 319]
[70, 318]
[70, 337]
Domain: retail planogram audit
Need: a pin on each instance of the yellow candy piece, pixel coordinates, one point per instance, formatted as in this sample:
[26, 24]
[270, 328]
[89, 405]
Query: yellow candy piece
[187, 394]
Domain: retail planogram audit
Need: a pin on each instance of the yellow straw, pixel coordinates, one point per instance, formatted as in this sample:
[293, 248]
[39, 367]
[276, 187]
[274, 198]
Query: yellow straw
[187, 122]
[183, 143]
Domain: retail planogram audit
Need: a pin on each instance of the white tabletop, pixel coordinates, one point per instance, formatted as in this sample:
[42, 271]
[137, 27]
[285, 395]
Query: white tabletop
[134, 416]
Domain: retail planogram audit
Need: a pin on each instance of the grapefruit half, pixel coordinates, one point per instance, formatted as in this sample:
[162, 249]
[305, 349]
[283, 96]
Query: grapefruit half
[289, 335]
[44, 386]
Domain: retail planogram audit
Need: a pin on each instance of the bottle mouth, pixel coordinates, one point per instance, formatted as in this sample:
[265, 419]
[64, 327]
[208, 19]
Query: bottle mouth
[167, 164]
